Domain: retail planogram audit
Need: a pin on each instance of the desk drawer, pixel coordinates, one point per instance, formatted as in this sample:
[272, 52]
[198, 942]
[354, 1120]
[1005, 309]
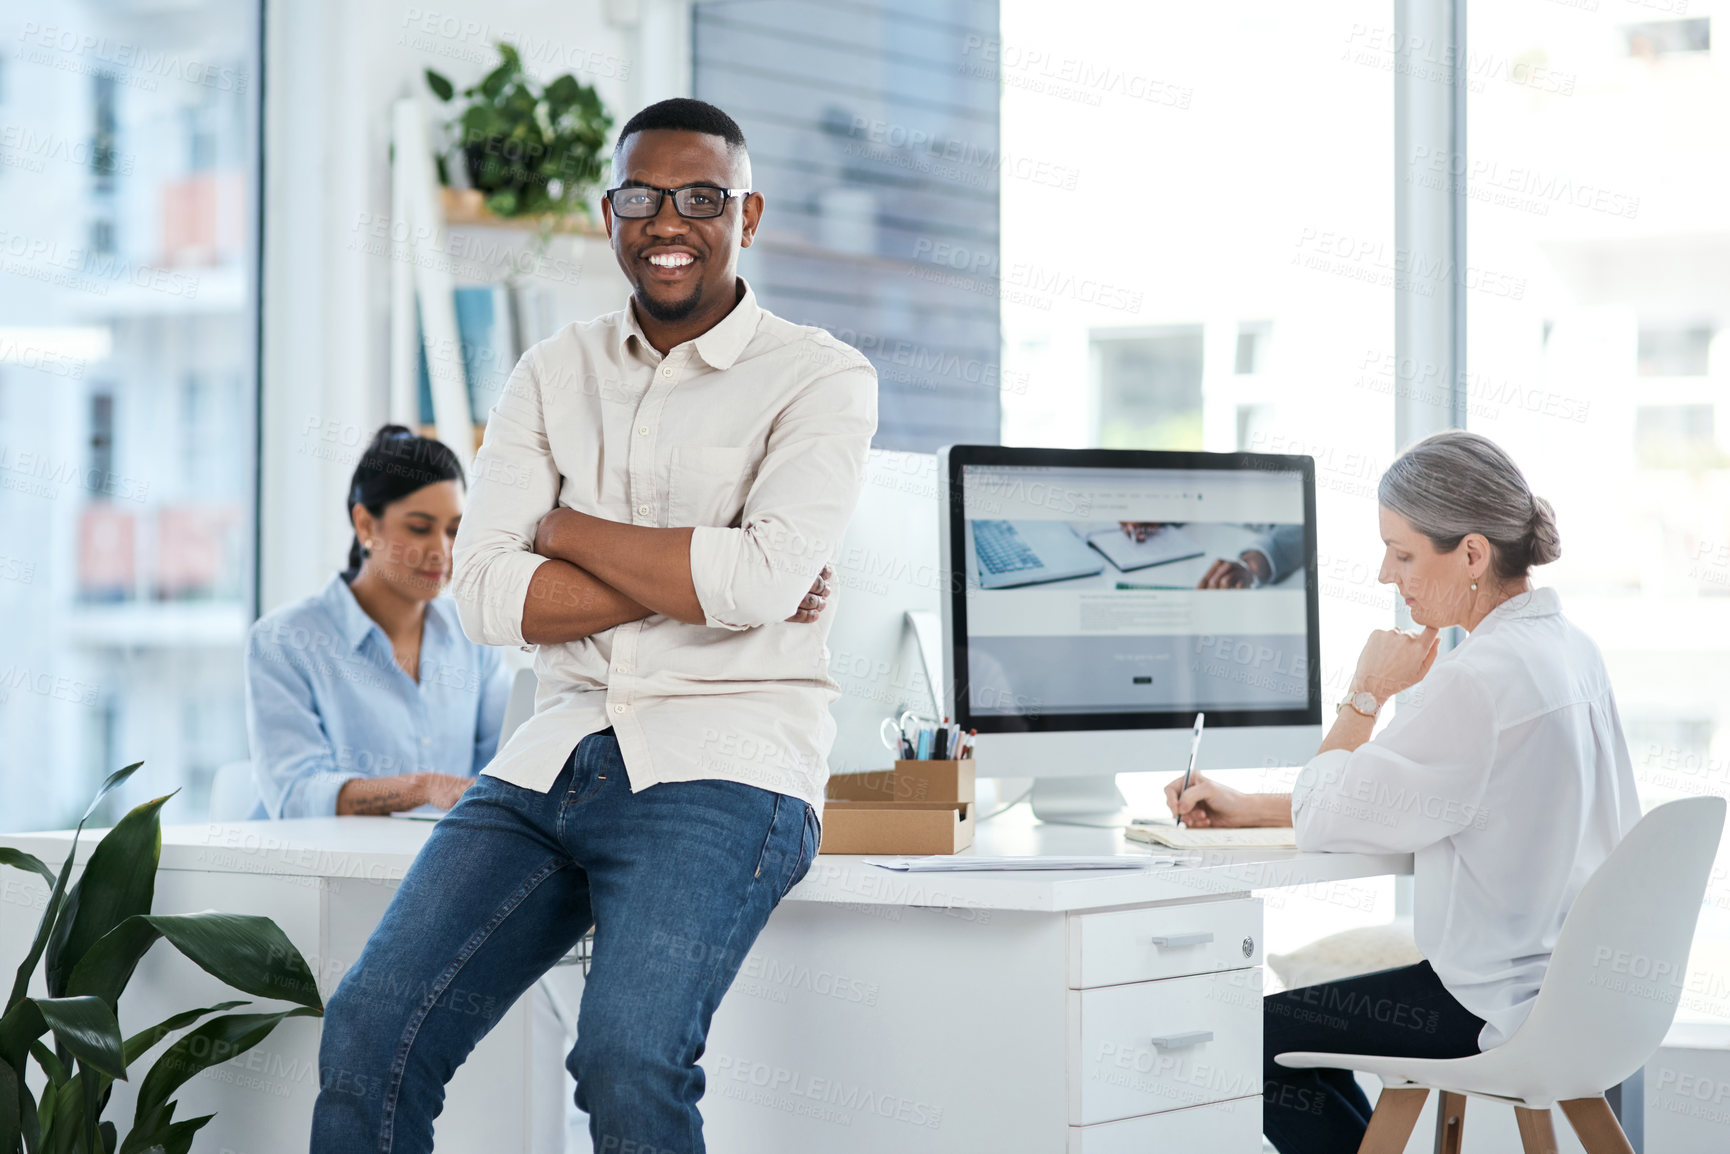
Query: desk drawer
[1154, 1046]
[1234, 1125]
[1163, 942]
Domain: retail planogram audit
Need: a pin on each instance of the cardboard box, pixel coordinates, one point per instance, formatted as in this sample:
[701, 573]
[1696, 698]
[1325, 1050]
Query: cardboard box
[919, 807]
[903, 828]
[950, 782]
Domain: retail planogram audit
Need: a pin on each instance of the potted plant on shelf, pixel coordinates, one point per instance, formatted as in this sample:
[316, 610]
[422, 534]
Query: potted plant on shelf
[91, 937]
[531, 153]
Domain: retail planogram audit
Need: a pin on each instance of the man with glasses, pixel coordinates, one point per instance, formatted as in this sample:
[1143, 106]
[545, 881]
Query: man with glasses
[653, 508]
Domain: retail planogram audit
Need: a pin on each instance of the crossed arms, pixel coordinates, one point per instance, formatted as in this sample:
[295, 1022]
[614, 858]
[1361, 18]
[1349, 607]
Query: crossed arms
[525, 575]
[577, 592]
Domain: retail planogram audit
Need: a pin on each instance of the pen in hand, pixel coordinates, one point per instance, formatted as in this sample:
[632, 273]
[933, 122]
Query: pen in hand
[1194, 745]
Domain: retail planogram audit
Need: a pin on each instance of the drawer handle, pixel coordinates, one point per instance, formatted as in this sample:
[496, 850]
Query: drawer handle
[1183, 1041]
[1173, 941]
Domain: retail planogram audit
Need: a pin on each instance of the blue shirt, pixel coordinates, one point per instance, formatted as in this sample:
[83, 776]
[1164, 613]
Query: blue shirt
[326, 701]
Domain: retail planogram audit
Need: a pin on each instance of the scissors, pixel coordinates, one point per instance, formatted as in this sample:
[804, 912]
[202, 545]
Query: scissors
[894, 733]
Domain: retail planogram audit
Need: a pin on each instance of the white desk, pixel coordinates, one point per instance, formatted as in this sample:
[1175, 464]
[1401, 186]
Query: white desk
[876, 1012]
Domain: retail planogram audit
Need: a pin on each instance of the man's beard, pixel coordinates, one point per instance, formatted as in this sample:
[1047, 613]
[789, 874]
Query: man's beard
[670, 313]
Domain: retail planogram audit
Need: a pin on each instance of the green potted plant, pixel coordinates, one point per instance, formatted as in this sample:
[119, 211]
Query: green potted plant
[91, 937]
[529, 151]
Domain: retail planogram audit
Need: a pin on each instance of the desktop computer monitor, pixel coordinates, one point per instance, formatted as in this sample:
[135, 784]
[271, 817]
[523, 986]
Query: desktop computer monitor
[1108, 596]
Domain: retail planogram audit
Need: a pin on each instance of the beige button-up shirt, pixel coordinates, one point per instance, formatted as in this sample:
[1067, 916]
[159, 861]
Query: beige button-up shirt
[756, 433]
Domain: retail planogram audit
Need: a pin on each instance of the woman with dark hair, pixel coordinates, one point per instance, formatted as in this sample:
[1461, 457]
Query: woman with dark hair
[366, 698]
[1505, 774]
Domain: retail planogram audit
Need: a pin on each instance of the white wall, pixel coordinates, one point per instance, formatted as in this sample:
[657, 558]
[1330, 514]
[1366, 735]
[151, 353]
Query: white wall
[332, 73]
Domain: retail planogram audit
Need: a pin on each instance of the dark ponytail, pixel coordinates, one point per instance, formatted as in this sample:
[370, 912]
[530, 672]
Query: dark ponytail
[397, 462]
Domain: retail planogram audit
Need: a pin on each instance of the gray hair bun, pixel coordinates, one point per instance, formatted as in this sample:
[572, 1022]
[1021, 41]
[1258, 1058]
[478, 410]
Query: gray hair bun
[1545, 543]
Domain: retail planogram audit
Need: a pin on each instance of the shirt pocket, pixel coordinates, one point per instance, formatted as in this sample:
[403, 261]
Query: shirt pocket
[706, 485]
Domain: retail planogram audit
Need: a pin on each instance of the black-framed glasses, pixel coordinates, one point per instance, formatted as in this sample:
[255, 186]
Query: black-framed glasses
[697, 201]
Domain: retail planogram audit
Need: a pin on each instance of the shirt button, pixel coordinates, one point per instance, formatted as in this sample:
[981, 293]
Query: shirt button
[642, 430]
[618, 709]
[644, 510]
[624, 668]
[667, 373]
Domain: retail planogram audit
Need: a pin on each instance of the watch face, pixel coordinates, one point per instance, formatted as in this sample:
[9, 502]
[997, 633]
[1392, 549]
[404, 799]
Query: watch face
[1365, 703]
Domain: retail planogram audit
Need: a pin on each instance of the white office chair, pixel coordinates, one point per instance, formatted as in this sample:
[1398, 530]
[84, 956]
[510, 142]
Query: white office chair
[233, 793]
[1606, 1001]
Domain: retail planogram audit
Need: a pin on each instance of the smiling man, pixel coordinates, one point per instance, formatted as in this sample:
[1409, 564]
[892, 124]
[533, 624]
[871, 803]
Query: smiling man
[653, 508]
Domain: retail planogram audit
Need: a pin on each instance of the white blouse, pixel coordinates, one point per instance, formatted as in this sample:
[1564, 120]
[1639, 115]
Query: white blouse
[1507, 776]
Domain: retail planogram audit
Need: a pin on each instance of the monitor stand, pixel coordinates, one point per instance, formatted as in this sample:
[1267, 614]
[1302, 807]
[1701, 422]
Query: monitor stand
[1092, 801]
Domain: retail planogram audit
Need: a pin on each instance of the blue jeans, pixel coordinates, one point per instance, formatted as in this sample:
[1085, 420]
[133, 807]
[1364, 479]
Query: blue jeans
[677, 880]
[1406, 1013]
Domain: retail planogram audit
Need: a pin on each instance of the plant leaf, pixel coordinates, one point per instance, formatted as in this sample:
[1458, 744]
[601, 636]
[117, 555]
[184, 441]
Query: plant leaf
[145, 1136]
[246, 951]
[118, 882]
[11, 1131]
[49, 913]
[142, 1042]
[177, 1139]
[214, 1042]
[441, 87]
[26, 861]
[87, 1028]
[50, 1063]
[108, 784]
[110, 1138]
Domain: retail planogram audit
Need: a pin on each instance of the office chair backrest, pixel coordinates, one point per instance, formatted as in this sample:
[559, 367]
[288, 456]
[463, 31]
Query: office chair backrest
[1614, 979]
[234, 793]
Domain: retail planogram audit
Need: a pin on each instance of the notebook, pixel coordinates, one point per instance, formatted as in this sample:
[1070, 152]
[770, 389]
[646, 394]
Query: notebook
[1160, 547]
[1179, 837]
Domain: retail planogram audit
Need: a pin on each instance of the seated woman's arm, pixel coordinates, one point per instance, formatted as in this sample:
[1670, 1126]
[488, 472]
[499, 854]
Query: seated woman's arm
[293, 764]
[1421, 781]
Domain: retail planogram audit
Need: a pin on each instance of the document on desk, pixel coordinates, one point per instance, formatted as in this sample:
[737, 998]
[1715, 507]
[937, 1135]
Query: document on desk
[953, 863]
[1179, 837]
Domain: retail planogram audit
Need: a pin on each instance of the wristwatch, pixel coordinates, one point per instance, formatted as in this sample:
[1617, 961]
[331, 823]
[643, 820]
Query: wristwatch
[1363, 701]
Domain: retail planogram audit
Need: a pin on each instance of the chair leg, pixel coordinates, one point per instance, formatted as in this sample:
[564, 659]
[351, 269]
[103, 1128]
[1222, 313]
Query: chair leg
[1391, 1125]
[1596, 1125]
[1450, 1122]
[1537, 1136]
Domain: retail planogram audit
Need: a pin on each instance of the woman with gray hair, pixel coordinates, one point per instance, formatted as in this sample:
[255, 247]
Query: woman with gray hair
[1505, 774]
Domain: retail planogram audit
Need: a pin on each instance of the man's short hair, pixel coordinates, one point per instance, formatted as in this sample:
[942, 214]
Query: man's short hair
[685, 115]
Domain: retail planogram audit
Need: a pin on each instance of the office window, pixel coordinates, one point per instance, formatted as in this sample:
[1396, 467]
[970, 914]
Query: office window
[1594, 191]
[1672, 350]
[1149, 388]
[874, 138]
[1251, 348]
[1189, 191]
[1676, 437]
[127, 314]
[1654, 39]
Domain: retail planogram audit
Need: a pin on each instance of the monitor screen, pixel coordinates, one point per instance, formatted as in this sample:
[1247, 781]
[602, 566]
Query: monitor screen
[1123, 589]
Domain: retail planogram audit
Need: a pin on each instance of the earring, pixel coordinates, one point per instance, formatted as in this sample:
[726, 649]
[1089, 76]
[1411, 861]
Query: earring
[1474, 586]
[366, 551]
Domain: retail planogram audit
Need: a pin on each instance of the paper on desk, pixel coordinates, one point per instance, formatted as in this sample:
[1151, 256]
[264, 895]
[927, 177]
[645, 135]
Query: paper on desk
[950, 863]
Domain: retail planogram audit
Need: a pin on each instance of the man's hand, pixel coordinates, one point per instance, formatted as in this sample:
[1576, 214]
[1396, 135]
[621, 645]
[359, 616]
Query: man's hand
[815, 601]
[1141, 530]
[1207, 804]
